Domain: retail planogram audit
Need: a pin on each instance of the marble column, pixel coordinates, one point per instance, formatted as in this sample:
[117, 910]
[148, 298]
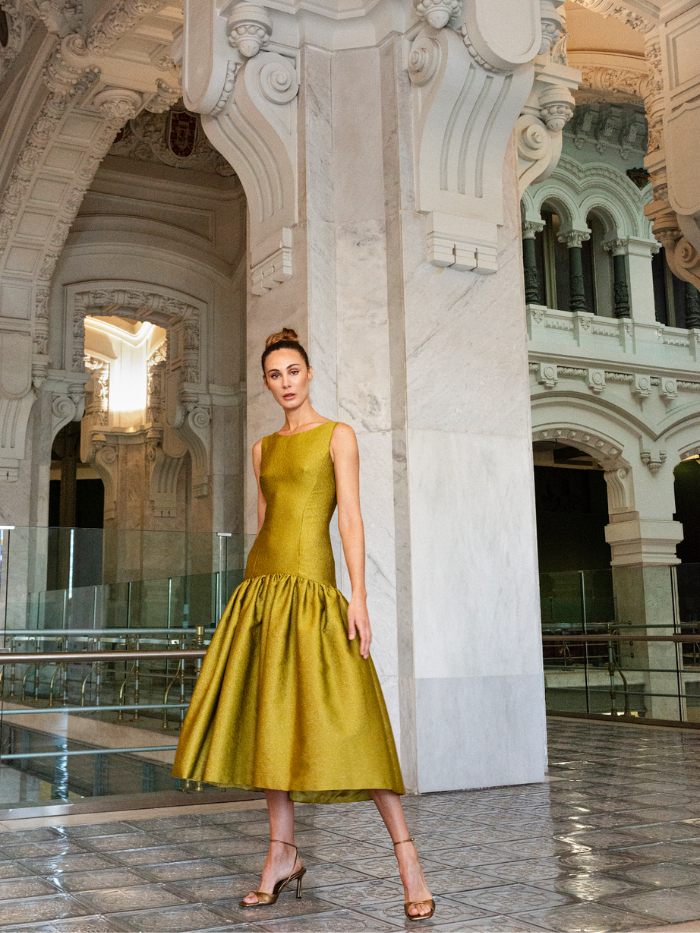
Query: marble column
[643, 539]
[692, 306]
[532, 280]
[621, 295]
[413, 318]
[577, 294]
[639, 253]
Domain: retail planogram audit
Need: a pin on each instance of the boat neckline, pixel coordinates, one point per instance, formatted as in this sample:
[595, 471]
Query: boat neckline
[277, 433]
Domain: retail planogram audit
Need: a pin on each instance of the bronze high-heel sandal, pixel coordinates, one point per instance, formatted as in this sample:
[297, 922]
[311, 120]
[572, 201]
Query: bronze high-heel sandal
[408, 904]
[263, 898]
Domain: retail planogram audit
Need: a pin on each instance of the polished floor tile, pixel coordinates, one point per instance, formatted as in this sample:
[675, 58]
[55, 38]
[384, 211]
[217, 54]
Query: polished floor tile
[609, 844]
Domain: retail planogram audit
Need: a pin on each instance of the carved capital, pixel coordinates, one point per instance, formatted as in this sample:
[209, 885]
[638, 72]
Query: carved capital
[616, 247]
[574, 238]
[249, 28]
[118, 105]
[531, 228]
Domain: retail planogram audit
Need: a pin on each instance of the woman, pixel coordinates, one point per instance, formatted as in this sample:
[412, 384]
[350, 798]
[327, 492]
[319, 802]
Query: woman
[288, 698]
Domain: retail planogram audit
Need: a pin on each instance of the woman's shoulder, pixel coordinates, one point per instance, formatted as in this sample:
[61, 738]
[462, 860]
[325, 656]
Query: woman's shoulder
[343, 436]
[343, 430]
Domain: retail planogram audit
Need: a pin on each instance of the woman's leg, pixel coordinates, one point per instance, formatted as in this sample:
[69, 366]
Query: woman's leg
[389, 806]
[280, 860]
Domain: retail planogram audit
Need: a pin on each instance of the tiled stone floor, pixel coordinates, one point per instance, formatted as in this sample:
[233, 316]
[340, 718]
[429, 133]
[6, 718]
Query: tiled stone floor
[610, 843]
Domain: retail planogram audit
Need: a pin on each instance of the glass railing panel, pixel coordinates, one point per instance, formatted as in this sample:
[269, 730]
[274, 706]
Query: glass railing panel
[78, 724]
[595, 663]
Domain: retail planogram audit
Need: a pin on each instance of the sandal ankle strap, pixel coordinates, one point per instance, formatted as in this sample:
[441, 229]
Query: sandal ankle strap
[290, 844]
[401, 841]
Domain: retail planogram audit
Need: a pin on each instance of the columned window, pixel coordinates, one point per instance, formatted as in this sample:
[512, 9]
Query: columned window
[677, 303]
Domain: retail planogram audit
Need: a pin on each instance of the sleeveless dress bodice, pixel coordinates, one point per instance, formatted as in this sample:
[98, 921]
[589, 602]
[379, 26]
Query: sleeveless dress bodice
[297, 479]
[284, 700]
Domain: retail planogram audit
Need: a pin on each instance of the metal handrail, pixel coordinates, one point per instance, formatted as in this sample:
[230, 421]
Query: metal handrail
[68, 656]
[64, 753]
[95, 632]
[89, 709]
[620, 637]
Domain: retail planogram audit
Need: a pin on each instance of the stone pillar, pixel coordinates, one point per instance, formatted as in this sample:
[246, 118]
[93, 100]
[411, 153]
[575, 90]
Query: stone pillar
[392, 222]
[643, 545]
[692, 306]
[577, 295]
[640, 282]
[621, 295]
[532, 279]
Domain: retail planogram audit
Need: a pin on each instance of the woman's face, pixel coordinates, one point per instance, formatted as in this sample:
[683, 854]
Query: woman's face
[288, 378]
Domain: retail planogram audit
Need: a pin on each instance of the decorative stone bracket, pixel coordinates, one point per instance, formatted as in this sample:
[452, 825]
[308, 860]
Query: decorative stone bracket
[248, 100]
[468, 89]
[546, 112]
[653, 458]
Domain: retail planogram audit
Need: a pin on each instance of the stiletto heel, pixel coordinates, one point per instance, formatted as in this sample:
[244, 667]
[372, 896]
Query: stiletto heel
[263, 898]
[408, 904]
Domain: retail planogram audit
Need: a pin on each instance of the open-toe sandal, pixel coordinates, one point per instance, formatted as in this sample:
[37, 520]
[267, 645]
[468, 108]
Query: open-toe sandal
[263, 898]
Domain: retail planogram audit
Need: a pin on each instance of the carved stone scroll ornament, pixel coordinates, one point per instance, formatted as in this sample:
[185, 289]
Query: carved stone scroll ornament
[547, 110]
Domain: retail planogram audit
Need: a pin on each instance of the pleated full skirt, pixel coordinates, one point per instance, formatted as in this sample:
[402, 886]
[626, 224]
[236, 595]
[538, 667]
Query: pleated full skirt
[285, 701]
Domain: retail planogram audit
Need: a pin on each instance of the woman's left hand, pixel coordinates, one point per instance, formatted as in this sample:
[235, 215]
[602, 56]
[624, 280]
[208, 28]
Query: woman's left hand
[358, 623]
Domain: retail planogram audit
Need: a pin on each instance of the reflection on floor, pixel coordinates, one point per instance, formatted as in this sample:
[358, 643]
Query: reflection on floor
[610, 843]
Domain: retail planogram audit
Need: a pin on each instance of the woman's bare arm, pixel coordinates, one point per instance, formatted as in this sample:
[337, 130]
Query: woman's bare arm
[346, 459]
[262, 505]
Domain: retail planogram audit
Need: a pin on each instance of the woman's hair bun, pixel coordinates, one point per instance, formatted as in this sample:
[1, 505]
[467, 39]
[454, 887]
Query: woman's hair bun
[287, 333]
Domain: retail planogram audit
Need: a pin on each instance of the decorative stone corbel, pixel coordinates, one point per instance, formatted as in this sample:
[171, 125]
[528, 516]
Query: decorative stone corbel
[249, 28]
[466, 99]
[190, 416]
[165, 471]
[668, 389]
[653, 458]
[641, 387]
[164, 98]
[620, 498]
[595, 380]
[438, 13]
[549, 106]
[547, 375]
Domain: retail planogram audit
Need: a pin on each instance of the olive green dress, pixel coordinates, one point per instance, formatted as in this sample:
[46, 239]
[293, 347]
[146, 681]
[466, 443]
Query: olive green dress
[284, 700]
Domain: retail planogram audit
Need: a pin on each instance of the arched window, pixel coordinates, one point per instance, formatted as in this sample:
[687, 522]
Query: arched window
[677, 302]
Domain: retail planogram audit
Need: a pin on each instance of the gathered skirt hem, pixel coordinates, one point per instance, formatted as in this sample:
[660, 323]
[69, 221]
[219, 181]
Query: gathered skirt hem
[284, 700]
